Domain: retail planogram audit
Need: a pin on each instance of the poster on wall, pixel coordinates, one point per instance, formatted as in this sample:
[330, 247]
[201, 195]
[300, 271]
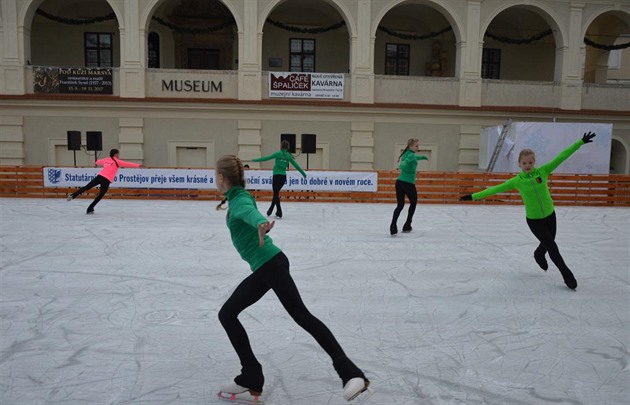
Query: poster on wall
[547, 140]
[72, 80]
[306, 85]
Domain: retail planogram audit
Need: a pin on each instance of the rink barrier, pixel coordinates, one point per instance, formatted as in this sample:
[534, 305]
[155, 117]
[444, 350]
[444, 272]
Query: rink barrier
[433, 188]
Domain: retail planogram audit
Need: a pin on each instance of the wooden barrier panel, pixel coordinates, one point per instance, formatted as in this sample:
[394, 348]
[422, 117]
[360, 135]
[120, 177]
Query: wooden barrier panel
[433, 188]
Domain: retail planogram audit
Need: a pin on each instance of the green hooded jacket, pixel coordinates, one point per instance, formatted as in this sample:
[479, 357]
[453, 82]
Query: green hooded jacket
[533, 186]
[283, 158]
[243, 219]
[409, 166]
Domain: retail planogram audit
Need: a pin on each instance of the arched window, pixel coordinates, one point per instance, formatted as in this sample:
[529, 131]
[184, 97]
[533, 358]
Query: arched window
[154, 50]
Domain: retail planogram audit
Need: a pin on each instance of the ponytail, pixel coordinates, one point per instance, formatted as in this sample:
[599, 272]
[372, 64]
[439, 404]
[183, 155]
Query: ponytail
[231, 168]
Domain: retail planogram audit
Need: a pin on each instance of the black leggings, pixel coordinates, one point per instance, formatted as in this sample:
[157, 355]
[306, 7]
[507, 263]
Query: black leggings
[275, 275]
[98, 180]
[405, 189]
[278, 181]
[545, 231]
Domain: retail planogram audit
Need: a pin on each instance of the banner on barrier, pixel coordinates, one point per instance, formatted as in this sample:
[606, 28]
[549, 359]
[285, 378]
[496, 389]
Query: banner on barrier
[204, 179]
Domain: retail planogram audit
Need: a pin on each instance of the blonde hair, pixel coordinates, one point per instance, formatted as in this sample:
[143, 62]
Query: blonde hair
[526, 152]
[233, 172]
[410, 142]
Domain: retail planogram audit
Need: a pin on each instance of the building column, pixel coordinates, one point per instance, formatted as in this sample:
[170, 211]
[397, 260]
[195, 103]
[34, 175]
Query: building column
[362, 57]
[249, 141]
[131, 138]
[469, 52]
[11, 141]
[362, 146]
[569, 61]
[250, 55]
[12, 75]
[132, 53]
[468, 160]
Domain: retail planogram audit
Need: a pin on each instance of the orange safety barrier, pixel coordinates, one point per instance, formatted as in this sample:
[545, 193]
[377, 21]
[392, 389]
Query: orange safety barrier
[433, 187]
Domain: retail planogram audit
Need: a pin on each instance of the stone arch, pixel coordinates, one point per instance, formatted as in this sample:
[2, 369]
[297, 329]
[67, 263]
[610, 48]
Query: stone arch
[440, 5]
[551, 18]
[595, 63]
[440, 59]
[145, 17]
[624, 152]
[27, 13]
[560, 34]
[340, 7]
[620, 14]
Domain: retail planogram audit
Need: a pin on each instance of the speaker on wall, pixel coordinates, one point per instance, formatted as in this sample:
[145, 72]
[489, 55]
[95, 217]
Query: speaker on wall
[94, 140]
[74, 140]
[289, 138]
[309, 143]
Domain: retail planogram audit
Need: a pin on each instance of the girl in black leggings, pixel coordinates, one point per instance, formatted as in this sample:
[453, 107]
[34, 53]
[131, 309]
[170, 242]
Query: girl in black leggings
[270, 271]
[283, 157]
[406, 185]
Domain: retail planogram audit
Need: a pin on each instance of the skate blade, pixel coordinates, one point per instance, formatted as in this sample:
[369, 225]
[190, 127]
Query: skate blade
[361, 396]
[241, 398]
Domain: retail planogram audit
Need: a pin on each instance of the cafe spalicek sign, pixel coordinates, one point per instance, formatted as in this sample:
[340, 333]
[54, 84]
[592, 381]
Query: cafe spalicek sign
[306, 85]
[72, 80]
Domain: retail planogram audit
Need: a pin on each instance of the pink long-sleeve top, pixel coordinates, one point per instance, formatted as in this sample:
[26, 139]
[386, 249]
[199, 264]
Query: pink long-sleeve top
[110, 168]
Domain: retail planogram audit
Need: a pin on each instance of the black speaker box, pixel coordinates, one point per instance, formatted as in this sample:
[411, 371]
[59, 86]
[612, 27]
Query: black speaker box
[289, 138]
[309, 143]
[94, 140]
[74, 140]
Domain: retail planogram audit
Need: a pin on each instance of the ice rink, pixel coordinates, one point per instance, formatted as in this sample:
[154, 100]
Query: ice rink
[121, 307]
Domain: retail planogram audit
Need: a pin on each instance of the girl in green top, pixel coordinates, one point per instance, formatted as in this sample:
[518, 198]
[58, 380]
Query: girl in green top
[406, 185]
[270, 271]
[531, 183]
[283, 158]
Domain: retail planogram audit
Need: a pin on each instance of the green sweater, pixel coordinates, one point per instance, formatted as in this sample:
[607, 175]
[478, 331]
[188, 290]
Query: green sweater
[409, 166]
[533, 186]
[243, 219]
[283, 158]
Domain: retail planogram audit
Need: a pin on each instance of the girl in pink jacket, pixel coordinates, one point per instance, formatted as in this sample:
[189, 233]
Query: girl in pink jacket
[104, 178]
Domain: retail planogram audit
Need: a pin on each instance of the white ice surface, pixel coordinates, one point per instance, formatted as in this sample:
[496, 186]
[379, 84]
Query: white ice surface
[121, 307]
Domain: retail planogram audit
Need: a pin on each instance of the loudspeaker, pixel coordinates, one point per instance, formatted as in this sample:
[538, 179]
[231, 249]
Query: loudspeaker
[74, 140]
[289, 138]
[309, 143]
[94, 140]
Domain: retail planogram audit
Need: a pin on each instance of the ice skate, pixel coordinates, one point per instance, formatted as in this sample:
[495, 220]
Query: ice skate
[393, 229]
[540, 259]
[238, 394]
[357, 390]
[69, 197]
[407, 228]
[569, 280]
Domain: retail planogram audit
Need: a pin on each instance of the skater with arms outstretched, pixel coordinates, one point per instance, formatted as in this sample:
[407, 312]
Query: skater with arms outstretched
[283, 158]
[104, 178]
[270, 271]
[531, 183]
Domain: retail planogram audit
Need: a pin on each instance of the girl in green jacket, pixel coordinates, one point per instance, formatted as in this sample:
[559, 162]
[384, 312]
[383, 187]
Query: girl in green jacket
[406, 185]
[283, 158]
[531, 183]
[270, 271]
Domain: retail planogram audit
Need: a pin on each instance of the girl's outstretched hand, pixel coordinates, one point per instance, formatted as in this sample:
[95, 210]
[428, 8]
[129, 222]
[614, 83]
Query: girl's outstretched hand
[262, 231]
[467, 197]
[588, 137]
